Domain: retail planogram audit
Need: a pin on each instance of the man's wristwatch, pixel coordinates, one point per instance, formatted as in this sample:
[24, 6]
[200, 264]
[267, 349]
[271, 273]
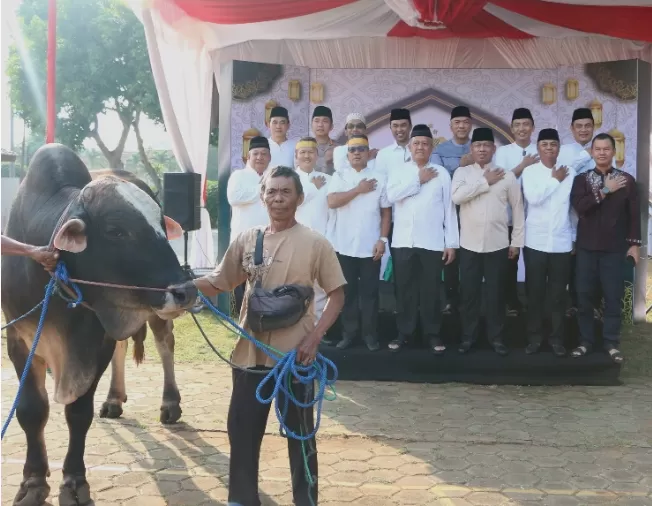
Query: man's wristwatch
[605, 190]
[384, 239]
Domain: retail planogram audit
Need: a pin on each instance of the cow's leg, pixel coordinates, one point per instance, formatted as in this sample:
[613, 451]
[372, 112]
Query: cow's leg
[112, 407]
[164, 338]
[74, 489]
[32, 413]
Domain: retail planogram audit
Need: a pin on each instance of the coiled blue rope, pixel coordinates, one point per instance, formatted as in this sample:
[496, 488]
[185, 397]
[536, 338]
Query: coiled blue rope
[61, 274]
[284, 374]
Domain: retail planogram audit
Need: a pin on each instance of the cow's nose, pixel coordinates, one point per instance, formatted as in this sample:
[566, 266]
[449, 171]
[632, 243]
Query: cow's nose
[184, 295]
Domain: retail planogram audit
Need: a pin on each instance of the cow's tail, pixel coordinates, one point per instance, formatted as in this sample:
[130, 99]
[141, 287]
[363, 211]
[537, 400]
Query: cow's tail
[139, 344]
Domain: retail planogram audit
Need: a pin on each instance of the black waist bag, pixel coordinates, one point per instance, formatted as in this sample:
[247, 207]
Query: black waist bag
[279, 308]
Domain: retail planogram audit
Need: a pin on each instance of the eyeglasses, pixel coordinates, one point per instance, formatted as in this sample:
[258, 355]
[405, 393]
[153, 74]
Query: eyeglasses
[353, 126]
[358, 149]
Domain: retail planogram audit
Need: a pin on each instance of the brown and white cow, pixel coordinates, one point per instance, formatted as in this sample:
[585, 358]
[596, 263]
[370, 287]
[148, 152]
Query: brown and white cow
[111, 232]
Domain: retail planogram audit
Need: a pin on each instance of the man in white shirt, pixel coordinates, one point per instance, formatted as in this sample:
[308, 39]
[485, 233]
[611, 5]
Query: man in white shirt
[322, 125]
[243, 194]
[281, 149]
[426, 235]
[516, 157]
[484, 191]
[549, 238]
[313, 211]
[396, 154]
[362, 219]
[356, 124]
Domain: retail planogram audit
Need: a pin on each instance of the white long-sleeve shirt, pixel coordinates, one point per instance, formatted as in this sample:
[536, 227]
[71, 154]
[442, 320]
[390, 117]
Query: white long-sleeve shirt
[341, 161]
[548, 224]
[357, 224]
[243, 194]
[314, 211]
[507, 158]
[424, 215]
[282, 154]
[391, 157]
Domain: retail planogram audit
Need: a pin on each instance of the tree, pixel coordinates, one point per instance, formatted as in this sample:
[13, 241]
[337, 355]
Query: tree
[102, 65]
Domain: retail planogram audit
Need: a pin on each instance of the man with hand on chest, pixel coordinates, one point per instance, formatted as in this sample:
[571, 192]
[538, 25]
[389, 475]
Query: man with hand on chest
[484, 191]
[322, 125]
[608, 231]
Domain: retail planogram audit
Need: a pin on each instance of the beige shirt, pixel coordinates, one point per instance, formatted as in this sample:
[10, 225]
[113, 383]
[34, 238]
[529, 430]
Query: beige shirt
[483, 209]
[294, 256]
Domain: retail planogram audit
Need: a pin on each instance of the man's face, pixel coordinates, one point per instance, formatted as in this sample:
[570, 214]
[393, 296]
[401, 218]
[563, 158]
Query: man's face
[603, 152]
[461, 128]
[259, 159]
[358, 156]
[548, 151]
[482, 151]
[400, 130]
[522, 129]
[321, 126]
[279, 127]
[582, 130]
[281, 198]
[307, 158]
[421, 148]
[355, 127]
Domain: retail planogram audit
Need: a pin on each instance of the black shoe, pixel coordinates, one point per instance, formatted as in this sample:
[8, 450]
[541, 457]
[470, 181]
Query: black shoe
[532, 348]
[558, 350]
[501, 349]
[372, 343]
[465, 346]
[345, 343]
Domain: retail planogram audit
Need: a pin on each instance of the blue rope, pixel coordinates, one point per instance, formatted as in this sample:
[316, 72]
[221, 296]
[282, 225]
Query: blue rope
[61, 274]
[284, 373]
[13, 322]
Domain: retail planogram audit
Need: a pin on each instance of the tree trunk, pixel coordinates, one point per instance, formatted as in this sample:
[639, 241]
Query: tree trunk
[149, 169]
[114, 157]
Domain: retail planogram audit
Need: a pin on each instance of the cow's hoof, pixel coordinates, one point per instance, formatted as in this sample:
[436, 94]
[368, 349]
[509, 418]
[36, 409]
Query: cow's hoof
[110, 410]
[32, 492]
[75, 492]
[170, 413]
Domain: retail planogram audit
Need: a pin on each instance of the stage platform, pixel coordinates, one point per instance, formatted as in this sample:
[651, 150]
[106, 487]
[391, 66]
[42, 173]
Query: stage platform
[415, 362]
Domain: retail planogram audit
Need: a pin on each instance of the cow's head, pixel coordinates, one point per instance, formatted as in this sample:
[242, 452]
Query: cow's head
[115, 233]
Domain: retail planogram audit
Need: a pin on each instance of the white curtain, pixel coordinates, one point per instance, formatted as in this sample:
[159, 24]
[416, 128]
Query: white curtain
[183, 73]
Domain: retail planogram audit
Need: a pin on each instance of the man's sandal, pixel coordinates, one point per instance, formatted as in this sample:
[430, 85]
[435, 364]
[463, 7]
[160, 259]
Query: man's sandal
[615, 355]
[396, 345]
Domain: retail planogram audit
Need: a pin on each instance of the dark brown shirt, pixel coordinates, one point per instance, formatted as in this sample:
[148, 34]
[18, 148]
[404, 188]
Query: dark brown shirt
[610, 223]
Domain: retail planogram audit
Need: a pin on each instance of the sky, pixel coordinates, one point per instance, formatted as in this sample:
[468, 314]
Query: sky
[154, 136]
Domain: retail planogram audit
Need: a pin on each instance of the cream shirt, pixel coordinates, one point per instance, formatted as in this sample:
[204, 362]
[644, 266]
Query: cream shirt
[483, 209]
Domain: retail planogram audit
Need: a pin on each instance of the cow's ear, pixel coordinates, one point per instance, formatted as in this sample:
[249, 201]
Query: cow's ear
[71, 236]
[172, 229]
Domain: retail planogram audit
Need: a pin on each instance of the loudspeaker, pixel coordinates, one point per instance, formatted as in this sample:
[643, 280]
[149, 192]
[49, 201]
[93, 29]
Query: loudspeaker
[182, 199]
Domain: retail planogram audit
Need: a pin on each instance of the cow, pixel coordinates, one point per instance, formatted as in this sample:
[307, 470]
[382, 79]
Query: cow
[107, 230]
[163, 337]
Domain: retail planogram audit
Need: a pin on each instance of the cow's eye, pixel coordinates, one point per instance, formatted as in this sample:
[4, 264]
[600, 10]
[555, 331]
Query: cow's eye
[115, 232]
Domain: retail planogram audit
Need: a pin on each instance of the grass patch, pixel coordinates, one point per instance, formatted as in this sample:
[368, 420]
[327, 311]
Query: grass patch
[636, 345]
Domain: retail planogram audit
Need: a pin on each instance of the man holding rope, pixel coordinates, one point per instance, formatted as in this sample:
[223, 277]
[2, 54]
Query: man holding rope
[284, 255]
[40, 254]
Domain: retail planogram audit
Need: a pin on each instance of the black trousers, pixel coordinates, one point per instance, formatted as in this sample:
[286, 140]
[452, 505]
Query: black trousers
[246, 424]
[572, 282]
[493, 267]
[511, 281]
[600, 273]
[360, 310]
[452, 278]
[417, 275]
[547, 276]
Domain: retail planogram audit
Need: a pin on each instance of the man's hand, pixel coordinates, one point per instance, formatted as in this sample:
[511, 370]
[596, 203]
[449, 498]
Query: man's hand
[493, 176]
[379, 249]
[307, 349]
[512, 253]
[319, 181]
[449, 256]
[530, 160]
[560, 173]
[373, 153]
[467, 159]
[426, 174]
[367, 185]
[634, 252]
[45, 257]
[614, 182]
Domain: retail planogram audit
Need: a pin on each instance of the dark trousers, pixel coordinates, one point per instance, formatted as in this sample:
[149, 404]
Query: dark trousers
[600, 272]
[511, 281]
[547, 276]
[417, 275]
[473, 267]
[246, 424]
[361, 296]
[452, 278]
[572, 286]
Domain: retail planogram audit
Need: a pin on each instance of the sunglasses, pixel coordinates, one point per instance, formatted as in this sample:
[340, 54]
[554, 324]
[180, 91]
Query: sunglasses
[353, 126]
[358, 149]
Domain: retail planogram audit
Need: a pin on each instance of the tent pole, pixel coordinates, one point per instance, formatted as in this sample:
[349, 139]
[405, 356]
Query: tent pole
[51, 71]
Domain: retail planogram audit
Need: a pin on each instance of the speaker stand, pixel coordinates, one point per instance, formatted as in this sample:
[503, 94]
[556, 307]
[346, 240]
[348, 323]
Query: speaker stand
[186, 265]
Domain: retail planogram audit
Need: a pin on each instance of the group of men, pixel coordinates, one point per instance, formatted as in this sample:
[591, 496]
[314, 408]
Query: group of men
[460, 213]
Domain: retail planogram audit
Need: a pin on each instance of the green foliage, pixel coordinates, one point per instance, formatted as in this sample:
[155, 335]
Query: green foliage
[102, 64]
[212, 202]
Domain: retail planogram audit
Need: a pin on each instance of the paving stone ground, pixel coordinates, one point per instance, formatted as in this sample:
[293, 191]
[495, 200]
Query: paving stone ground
[380, 444]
